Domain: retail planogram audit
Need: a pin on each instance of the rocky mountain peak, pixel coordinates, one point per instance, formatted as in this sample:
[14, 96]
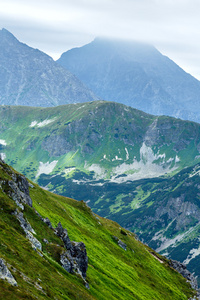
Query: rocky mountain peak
[30, 77]
[6, 35]
[135, 74]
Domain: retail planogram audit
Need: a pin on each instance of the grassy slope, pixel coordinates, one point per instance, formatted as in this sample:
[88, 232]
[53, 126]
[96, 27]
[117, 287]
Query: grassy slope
[113, 273]
[20, 135]
[148, 207]
[104, 134]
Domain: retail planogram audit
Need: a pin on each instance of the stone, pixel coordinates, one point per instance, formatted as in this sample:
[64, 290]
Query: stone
[19, 190]
[6, 274]
[74, 259]
[45, 241]
[24, 224]
[47, 221]
[87, 285]
[122, 245]
[79, 255]
[29, 231]
[181, 268]
[34, 242]
[63, 234]
[66, 262]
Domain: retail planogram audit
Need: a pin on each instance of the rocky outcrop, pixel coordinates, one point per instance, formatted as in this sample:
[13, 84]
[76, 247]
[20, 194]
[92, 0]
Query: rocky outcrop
[181, 268]
[120, 243]
[47, 221]
[63, 234]
[18, 189]
[28, 231]
[56, 145]
[6, 274]
[74, 259]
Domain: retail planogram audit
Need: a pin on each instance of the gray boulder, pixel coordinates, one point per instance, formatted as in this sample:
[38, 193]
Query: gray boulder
[80, 259]
[63, 234]
[18, 189]
[29, 231]
[120, 243]
[6, 274]
[47, 221]
[75, 259]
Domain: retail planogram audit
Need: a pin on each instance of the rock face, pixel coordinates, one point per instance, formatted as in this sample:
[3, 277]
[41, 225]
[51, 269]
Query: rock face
[30, 77]
[137, 75]
[18, 189]
[47, 221]
[28, 231]
[75, 258]
[6, 274]
[63, 234]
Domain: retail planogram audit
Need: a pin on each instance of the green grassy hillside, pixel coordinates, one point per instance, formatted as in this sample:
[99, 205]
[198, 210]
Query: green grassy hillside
[163, 212]
[102, 139]
[113, 273]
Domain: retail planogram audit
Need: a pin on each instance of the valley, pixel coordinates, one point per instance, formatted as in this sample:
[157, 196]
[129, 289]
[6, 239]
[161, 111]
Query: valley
[112, 124]
[134, 174]
[40, 260]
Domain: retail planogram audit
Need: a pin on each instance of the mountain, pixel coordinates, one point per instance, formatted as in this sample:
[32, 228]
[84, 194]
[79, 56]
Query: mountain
[137, 75]
[39, 260]
[104, 140]
[114, 157]
[30, 77]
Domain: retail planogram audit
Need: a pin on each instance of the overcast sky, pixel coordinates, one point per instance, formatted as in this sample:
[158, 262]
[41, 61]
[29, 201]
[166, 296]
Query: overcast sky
[54, 26]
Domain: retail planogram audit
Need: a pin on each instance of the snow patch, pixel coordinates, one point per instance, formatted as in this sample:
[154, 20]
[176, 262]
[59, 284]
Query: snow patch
[3, 156]
[68, 170]
[177, 159]
[170, 160]
[116, 158]
[3, 142]
[147, 167]
[99, 171]
[42, 124]
[171, 242]
[33, 124]
[127, 154]
[81, 107]
[46, 168]
[196, 171]
[192, 254]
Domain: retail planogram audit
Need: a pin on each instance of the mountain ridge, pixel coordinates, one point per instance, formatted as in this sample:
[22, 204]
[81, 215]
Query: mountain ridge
[136, 144]
[31, 77]
[135, 74]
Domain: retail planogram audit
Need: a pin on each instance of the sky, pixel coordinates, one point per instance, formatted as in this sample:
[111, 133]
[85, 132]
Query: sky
[55, 26]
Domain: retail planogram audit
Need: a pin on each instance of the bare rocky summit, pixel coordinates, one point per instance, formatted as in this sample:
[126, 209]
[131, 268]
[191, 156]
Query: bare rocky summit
[31, 77]
[135, 74]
